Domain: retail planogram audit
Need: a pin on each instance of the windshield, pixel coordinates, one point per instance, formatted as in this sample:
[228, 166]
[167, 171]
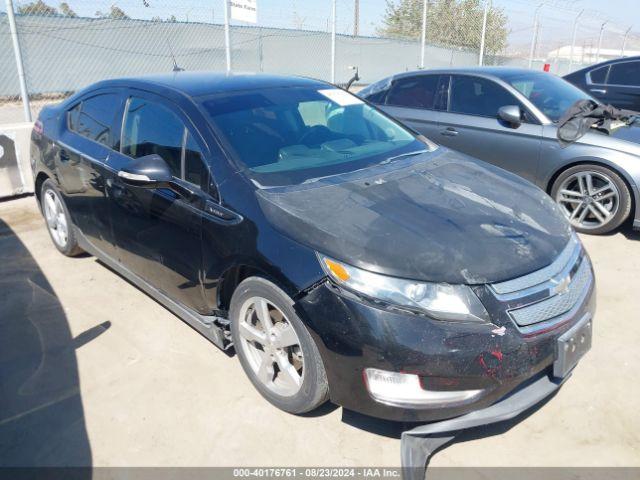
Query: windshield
[552, 95]
[285, 136]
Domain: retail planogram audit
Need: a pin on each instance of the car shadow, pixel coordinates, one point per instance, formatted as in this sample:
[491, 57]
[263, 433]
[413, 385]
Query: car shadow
[42, 421]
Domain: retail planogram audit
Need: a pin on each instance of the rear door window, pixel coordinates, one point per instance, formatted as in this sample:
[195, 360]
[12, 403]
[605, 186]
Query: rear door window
[414, 92]
[478, 96]
[625, 73]
[599, 75]
[93, 118]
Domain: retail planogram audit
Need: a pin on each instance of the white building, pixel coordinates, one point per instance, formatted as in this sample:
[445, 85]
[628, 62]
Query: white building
[587, 55]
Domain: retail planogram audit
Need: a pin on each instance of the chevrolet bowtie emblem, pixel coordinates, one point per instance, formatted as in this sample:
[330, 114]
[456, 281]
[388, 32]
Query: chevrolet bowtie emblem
[561, 286]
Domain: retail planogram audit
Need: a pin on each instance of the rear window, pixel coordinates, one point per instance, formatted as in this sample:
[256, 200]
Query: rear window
[93, 118]
[625, 73]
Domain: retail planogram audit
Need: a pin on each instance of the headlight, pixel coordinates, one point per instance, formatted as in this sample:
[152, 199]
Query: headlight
[439, 300]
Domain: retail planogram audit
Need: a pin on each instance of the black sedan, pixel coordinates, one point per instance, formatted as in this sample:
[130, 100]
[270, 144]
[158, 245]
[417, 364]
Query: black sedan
[343, 256]
[615, 82]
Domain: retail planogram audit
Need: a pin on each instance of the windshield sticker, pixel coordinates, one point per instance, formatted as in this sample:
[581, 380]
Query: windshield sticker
[340, 97]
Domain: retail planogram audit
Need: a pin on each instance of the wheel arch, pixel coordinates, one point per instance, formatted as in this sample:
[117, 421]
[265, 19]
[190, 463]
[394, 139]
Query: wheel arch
[624, 175]
[40, 179]
[234, 275]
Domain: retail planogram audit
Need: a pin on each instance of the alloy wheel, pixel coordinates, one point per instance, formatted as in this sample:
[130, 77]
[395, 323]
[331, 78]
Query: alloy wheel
[271, 346]
[56, 218]
[588, 199]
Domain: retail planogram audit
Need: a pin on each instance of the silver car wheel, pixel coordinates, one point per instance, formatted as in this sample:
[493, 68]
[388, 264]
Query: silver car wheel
[271, 346]
[56, 218]
[588, 199]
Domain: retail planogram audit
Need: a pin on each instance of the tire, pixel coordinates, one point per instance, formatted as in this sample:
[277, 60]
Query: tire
[50, 200]
[274, 382]
[571, 193]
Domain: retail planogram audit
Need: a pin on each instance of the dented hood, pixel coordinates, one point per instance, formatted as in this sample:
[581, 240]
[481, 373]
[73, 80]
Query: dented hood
[438, 216]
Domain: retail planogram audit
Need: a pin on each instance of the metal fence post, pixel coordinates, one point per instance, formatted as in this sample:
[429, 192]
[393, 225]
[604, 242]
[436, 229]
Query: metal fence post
[573, 38]
[19, 65]
[624, 40]
[424, 32]
[227, 36]
[333, 41]
[534, 36]
[600, 41]
[484, 33]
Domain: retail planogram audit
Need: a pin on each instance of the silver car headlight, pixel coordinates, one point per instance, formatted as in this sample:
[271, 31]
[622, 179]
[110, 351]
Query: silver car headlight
[441, 301]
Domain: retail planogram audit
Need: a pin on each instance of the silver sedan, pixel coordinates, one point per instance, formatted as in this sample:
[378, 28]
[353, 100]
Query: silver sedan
[508, 117]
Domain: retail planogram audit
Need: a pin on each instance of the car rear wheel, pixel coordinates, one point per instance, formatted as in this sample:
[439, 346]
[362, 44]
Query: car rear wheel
[275, 349]
[58, 220]
[593, 198]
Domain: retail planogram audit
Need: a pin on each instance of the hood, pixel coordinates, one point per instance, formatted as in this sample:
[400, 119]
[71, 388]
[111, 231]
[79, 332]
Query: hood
[625, 139]
[439, 216]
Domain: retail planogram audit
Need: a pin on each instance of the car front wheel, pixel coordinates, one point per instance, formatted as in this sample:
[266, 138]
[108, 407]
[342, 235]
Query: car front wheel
[274, 347]
[593, 198]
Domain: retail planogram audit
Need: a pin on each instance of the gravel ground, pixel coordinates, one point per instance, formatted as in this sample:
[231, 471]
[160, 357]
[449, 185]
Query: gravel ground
[94, 372]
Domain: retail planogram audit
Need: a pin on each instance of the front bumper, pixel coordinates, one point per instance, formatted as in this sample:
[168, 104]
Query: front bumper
[418, 445]
[353, 334]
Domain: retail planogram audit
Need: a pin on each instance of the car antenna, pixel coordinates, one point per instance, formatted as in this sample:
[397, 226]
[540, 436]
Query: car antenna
[355, 78]
[176, 68]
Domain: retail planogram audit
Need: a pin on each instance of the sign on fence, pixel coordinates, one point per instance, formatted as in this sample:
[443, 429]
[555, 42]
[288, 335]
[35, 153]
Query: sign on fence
[244, 10]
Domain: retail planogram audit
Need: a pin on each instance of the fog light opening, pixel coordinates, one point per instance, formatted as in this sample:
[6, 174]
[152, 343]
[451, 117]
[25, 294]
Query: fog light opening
[405, 390]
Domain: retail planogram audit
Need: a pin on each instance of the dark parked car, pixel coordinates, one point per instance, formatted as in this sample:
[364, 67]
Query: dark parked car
[343, 256]
[508, 117]
[615, 82]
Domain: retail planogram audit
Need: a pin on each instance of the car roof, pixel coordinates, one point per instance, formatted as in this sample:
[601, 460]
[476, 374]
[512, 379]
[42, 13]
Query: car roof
[604, 64]
[196, 84]
[498, 72]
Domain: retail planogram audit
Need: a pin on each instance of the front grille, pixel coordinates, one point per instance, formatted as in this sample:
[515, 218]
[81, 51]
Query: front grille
[555, 305]
[546, 295]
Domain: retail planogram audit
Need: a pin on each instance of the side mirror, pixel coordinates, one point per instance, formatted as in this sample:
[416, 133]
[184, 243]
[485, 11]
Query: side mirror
[150, 171]
[511, 114]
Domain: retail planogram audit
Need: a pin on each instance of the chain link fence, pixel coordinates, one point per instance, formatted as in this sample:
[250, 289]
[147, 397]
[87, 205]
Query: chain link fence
[68, 45]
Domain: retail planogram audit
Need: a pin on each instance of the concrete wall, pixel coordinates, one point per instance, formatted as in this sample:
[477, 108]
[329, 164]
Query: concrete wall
[15, 167]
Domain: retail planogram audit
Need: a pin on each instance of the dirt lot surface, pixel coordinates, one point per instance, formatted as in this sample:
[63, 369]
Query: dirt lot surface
[94, 372]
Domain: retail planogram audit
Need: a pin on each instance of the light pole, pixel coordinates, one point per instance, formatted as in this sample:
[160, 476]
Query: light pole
[600, 41]
[573, 38]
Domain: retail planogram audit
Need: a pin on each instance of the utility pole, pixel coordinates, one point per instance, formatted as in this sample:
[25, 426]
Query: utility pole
[573, 38]
[19, 65]
[356, 18]
[600, 41]
[624, 40]
[333, 41]
[424, 32]
[484, 33]
[227, 36]
[534, 36]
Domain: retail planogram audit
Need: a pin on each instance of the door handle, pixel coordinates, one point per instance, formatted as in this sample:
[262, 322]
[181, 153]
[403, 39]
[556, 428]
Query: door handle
[449, 132]
[599, 90]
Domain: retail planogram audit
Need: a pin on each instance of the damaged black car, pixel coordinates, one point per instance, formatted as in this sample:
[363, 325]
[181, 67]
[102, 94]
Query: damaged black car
[343, 256]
